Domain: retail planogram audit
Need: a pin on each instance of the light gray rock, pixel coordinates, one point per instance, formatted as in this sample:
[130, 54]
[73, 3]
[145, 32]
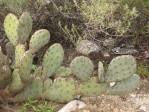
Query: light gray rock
[86, 47]
[122, 51]
[105, 54]
[72, 106]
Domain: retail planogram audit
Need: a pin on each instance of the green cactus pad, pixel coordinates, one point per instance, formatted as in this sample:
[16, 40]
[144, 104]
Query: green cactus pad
[10, 50]
[47, 84]
[92, 88]
[11, 28]
[19, 51]
[125, 86]
[121, 68]
[52, 60]
[25, 66]
[63, 71]
[62, 90]
[38, 71]
[82, 67]
[39, 39]
[25, 27]
[16, 83]
[100, 72]
[32, 91]
[5, 76]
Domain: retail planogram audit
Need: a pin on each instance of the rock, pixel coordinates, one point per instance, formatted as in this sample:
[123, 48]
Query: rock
[86, 47]
[146, 53]
[72, 106]
[122, 51]
[105, 54]
[109, 42]
[112, 84]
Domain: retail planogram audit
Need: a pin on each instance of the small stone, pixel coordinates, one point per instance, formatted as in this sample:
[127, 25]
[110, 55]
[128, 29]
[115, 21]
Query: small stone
[146, 53]
[143, 108]
[86, 47]
[133, 95]
[106, 54]
[112, 84]
[72, 106]
[122, 51]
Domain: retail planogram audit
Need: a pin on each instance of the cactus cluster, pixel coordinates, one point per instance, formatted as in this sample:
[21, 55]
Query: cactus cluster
[50, 80]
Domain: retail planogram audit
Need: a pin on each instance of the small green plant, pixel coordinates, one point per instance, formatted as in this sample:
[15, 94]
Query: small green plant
[143, 70]
[35, 106]
[72, 33]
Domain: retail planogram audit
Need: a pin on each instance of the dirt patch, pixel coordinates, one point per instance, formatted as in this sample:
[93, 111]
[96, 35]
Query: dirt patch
[137, 101]
[107, 103]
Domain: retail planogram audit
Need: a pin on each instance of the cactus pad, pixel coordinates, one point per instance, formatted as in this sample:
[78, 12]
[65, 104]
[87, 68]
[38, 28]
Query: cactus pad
[121, 68]
[39, 39]
[125, 86]
[100, 72]
[82, 67]
[62, 90]
[10, 50]
[16, 84]
[47, 84]
[11, 24]
[52, 60]
[25, 27]
[38, 71]
[63, 71]
[5, 76]
[92, 88]
[25, 66]
[19, 51]
[32, 91]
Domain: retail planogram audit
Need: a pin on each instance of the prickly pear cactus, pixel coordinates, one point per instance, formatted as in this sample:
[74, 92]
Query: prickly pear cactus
[38, 71]
[25, 27]
[52, 60]
[62, 90]
[39, 39]
[121, 68]
[49, 80]
[125, 86]
[101, 72]
[16, 84]
[32, 91]
[19, 51]
[10, 50]
[46, 85]
[82, 67]
[11, 24]
[92, 88]
[25, 66]
[5, 76]
[63, 72]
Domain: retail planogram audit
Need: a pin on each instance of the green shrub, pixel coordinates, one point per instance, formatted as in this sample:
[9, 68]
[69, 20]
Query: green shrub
[103, 15]
[143, 70]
